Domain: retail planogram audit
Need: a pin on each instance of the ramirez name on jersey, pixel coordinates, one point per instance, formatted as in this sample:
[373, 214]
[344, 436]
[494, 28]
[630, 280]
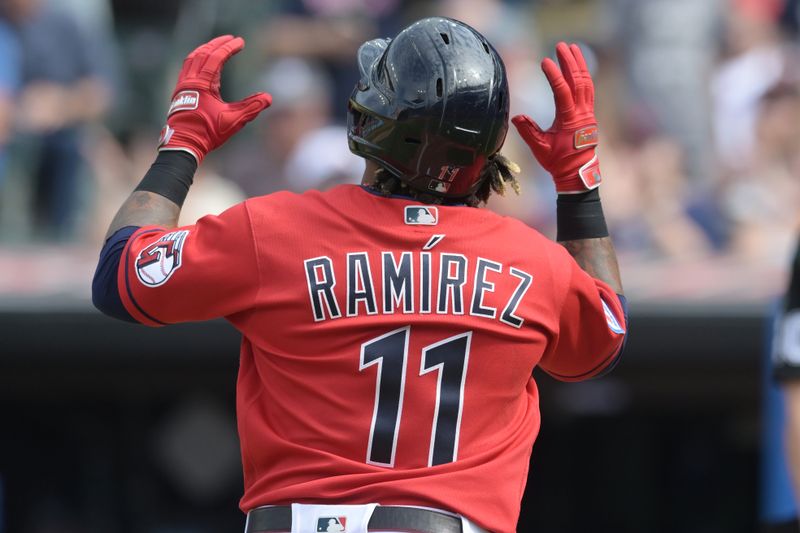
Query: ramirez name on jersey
[441, 291]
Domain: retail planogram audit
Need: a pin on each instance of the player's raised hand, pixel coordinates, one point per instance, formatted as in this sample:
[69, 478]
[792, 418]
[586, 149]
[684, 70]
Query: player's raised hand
[567, 148]
[198, 120]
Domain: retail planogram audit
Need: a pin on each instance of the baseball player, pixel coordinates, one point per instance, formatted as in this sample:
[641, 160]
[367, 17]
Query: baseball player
[389, 330]
[781, 461]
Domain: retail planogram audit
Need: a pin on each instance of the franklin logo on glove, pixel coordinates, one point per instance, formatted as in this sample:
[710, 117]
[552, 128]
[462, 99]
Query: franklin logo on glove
[586, 137]
[184, 101]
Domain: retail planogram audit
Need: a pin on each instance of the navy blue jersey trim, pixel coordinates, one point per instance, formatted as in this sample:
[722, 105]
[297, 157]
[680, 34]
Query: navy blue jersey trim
[105, 290]
[128, 284]
[404, 197]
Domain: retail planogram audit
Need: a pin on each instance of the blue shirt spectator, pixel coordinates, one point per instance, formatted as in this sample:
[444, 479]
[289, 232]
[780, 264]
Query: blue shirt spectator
[10, 78]
[62, 88]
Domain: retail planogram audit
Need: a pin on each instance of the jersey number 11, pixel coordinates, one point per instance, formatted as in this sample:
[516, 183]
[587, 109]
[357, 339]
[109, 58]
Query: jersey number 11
[449, 358]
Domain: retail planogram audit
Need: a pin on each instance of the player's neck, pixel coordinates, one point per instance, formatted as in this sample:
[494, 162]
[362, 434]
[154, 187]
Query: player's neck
[369, 173]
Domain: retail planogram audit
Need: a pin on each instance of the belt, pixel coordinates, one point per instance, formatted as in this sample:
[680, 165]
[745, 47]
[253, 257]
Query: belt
[384, 518]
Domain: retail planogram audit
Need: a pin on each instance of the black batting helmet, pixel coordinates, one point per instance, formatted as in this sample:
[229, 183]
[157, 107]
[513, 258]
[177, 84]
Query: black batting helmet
[431, 106]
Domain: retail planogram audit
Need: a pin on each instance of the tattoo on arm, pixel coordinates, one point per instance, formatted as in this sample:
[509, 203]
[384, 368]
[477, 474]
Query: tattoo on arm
[144, 208]
[597, 258]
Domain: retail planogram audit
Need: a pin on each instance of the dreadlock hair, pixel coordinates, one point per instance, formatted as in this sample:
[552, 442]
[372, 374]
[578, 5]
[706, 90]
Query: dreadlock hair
[496, 173]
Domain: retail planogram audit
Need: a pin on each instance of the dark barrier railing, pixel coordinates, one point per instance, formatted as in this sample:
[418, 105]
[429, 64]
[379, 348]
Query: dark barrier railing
[667, 442]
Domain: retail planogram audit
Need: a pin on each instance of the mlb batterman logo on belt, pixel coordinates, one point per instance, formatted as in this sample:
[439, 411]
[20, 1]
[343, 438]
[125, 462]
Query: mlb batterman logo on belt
[337, 524]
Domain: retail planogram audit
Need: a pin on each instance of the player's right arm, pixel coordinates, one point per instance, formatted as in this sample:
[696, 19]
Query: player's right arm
[568, 151]
[144, 250]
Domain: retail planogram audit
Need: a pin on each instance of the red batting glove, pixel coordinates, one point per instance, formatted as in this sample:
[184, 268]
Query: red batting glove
[198, 120]
[567, 149]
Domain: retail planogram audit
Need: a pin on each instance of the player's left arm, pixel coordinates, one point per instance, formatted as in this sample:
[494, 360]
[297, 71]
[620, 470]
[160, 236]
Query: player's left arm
[198, 122]
[568, 151]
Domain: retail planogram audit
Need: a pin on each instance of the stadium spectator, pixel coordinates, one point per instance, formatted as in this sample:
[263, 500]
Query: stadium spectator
[301, 96]
[9, 84]
[62, 89]
[215, 194]
[322, 160]
[753, 61]
[329, 32]
[654, 203]
[761, 199]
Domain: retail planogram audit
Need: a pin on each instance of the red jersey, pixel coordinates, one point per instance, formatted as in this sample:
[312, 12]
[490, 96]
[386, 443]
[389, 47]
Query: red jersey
[387, 346]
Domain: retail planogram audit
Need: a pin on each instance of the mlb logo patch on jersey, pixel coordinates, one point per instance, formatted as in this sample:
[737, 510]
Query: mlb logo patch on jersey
[156, 263]
[332, 523]
[421, 215]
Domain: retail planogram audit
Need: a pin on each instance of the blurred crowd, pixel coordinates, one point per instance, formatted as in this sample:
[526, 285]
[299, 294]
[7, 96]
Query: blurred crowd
[699, 106]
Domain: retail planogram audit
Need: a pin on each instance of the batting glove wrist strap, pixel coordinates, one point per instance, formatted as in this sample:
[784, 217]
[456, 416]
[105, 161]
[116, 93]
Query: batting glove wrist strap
[198, 120]
[580, 216]
[170, 176]
[568, 148]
